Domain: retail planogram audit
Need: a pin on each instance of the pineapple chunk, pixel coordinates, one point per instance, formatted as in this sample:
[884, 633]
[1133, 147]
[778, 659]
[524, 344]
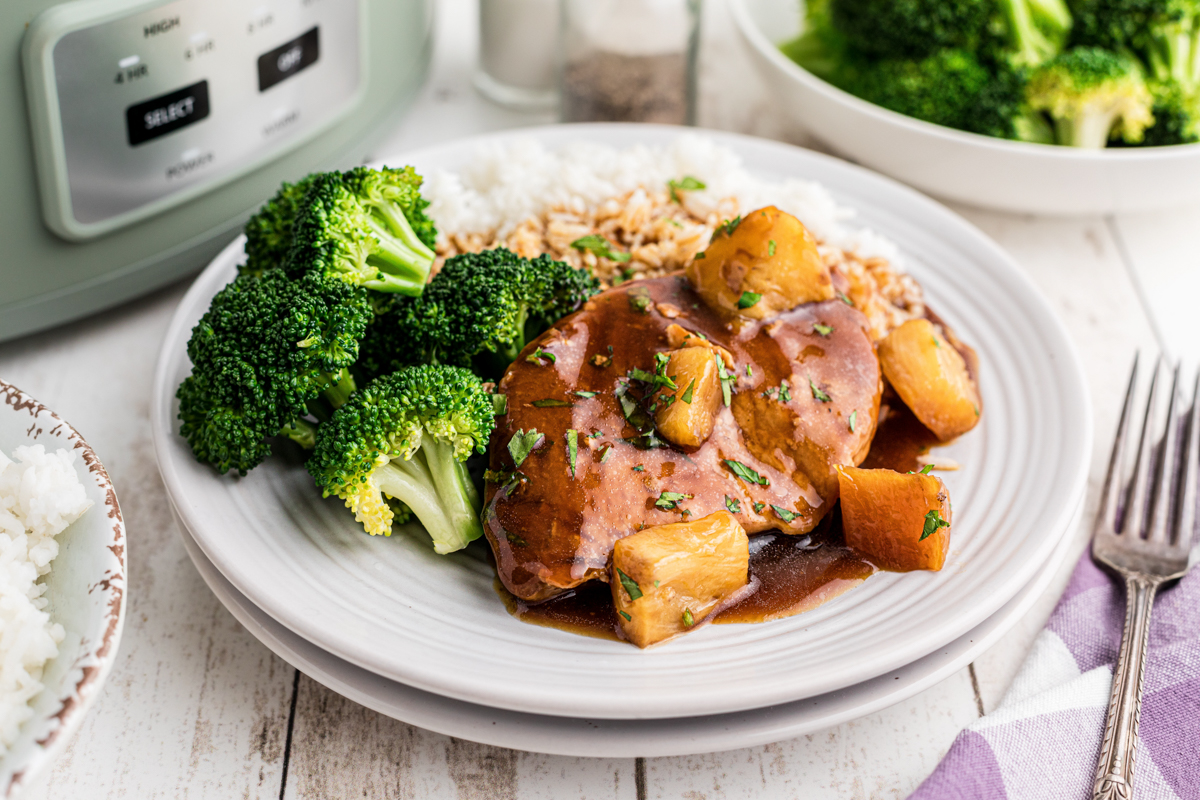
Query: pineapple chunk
[766, 265]
[686, 415]
[900, 522]
[667, 579]
[931, 377]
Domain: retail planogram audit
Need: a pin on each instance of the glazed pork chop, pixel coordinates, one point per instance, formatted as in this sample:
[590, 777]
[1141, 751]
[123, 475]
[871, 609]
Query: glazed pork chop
[662, 401]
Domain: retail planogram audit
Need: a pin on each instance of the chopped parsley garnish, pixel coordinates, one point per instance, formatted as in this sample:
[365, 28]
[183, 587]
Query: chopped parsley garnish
[976, 409]
[626, 274]
[598, 245]
[639, 299]
[784, 395]
[601, 361]
[687, 395]
[758, 507]
[500, 404]
[550, 402]
[688, 619]
[585, 395]
[728, 226]
[537, 355]
[784, 514]
[853, 416]
[699, 256]
[572, 448]
[733, 505]
[745, 473]
[843, 298]
[639, 374]
[749, 371]
[933, 521]
[936, 343]
[668, 501]
[770, 248]
[688, 184]
[522, 444]
[925, 470]
[608, 451]
[626, 616]
[631, 587]
[818, 393]
[727, 380]
[639, 468]
[748, 299]
[824, 330]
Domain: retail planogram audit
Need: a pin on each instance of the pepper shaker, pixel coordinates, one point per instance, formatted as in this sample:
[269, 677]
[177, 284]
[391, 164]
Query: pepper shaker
[629, 60]
[518, 52]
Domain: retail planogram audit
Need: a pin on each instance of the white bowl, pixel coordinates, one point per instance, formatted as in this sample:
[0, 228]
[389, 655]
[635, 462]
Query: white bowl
[967, 167]
[86, 589]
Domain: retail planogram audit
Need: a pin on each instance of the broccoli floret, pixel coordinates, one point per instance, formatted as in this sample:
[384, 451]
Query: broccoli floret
[269, 232]
[354, 228]
[1092, 95]
[1176, 118]
[1163, 33]
[1037, 29]
[405, 436]
[820, 48]
[910, 28]
[267, 352]
[950, 88]
[1171, 47]
[478, 312]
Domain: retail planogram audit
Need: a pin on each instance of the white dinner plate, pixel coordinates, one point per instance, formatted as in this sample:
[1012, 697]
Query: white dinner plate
[393, 607]
[614, 738]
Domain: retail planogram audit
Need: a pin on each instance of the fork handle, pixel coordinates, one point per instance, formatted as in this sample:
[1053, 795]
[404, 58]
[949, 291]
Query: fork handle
[1114, 771]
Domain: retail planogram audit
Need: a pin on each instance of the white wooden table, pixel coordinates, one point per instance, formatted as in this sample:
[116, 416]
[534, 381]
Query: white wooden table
[196, 708]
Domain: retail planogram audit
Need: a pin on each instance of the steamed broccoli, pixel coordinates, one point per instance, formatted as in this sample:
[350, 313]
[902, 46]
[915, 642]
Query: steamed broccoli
[479, 311]
[909, 28]
[269, 231]
[1171, 47]
[405, 436]
[1037, 29]
[356, 228]
[1092, 95]
[949, 88]
[267, 352]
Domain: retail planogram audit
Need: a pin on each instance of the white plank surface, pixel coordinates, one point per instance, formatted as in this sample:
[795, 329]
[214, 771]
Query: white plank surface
[196, 708]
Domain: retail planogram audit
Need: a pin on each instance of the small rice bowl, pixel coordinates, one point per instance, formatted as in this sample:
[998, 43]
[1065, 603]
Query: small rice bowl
[40, 495]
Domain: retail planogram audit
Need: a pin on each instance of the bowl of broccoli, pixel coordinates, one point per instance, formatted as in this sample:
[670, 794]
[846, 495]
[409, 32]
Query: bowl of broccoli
[1046, 106]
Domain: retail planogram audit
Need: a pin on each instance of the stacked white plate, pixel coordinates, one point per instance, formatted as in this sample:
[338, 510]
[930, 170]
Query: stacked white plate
[425, 639]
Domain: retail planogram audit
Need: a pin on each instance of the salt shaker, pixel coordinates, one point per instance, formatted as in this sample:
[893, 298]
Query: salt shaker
[518, 52]
[629, 60]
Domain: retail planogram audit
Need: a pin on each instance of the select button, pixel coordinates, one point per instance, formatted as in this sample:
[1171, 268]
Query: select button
[159, 116]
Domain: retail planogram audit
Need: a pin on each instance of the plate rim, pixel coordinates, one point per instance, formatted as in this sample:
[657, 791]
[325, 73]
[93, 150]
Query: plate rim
[938, 218]
[618, 738]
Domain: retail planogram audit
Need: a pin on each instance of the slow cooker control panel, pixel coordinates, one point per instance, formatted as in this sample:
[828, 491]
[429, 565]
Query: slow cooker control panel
[138, 111]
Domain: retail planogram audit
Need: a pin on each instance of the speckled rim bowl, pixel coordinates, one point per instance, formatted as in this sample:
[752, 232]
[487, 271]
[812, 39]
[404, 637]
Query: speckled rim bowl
[967, 167]
[86, 589]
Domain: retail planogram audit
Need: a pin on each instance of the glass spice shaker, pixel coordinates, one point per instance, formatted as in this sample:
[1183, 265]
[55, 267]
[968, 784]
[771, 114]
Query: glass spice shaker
[518, 53]
[629, 60]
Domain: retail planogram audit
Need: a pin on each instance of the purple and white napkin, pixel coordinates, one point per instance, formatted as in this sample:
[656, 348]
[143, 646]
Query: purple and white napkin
[1044, 738]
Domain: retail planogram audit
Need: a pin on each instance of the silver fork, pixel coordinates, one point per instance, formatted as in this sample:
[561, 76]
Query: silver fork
[1147, 545]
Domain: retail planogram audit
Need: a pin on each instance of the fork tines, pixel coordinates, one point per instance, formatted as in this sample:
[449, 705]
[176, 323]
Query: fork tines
[1158, 503]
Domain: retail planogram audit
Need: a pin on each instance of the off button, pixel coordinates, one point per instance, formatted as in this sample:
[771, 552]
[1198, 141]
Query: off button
[159, 116]
[289, 58]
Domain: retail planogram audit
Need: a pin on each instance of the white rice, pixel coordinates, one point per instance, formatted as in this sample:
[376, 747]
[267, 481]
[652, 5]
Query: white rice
[40, 495]
[506, 185]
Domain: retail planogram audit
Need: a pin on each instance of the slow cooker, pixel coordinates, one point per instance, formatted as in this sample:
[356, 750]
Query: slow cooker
[136, 137]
